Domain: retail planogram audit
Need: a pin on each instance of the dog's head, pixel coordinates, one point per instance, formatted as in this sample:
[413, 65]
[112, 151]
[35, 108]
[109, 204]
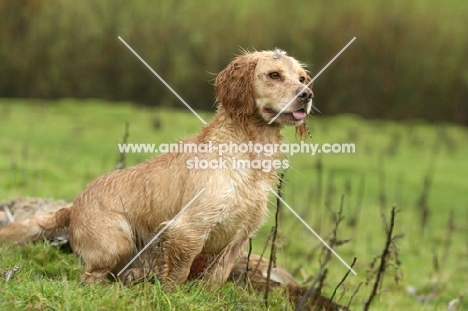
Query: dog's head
[270, 84]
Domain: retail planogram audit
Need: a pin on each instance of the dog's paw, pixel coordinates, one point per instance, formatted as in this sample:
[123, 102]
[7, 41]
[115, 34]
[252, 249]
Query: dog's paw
[132, 276]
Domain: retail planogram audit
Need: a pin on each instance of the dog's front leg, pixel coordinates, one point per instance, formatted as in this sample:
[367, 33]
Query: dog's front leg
[169, 257]
[223, 265]
[177, 248]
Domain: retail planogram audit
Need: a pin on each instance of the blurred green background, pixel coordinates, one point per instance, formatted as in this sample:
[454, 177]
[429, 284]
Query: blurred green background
[409, 59]
[408, 62]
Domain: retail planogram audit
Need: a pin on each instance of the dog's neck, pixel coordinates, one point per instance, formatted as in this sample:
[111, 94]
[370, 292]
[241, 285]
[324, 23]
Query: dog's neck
[225, 128]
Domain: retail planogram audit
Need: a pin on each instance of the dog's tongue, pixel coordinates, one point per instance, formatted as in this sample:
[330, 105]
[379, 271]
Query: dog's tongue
[299, 114]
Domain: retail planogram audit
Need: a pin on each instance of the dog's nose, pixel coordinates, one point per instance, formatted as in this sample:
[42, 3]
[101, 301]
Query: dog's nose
[304, 96]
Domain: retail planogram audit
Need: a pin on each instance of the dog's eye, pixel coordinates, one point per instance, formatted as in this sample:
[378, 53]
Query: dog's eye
[274, 75]
[302, 79]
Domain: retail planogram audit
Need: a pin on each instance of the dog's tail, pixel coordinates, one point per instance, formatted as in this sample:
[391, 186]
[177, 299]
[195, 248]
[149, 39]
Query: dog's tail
[37, 227]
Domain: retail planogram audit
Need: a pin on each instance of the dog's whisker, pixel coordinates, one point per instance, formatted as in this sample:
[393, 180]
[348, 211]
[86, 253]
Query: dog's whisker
[314, 108]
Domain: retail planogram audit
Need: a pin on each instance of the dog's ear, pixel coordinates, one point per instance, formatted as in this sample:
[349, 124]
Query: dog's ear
[234, 87]
[301, 130]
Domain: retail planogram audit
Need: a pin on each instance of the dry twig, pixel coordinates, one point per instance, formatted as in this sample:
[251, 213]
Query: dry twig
[273, 242]
[121, 158]
[388, 257]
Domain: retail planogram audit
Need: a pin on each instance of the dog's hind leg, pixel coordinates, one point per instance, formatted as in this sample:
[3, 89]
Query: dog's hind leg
[150, 260]
[105, 243]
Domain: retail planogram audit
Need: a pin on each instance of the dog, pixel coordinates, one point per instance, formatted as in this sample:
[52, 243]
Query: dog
[120, 212]
[250, 270]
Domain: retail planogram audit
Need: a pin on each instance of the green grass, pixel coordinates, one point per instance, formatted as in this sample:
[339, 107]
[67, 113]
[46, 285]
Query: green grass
[53, 149]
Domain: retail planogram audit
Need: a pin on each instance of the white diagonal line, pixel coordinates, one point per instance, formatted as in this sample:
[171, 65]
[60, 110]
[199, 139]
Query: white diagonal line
[8, 214]
[162, 80]
[313, 79]
[162, 230]
[312, 230]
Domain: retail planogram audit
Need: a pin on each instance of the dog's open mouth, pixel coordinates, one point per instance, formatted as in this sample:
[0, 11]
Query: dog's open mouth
[296, 115]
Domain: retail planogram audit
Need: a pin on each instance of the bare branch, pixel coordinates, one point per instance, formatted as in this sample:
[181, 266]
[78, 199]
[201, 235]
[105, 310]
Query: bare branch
[273, 242]
[389, 253]
[121, 157]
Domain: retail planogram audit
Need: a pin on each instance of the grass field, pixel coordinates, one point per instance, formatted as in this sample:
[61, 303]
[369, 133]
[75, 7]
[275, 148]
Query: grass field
[53, 149]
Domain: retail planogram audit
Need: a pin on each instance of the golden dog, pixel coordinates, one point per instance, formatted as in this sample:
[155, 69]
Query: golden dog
[120, 212]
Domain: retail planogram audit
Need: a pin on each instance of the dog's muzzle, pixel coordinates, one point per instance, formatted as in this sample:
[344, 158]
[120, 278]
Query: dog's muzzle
[304, 95]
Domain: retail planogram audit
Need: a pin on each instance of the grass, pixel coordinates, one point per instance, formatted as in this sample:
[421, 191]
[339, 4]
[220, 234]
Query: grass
[53, 149]
[47, 281]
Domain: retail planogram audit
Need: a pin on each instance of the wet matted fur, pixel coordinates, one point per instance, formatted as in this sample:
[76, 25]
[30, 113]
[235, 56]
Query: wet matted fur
[120, 212]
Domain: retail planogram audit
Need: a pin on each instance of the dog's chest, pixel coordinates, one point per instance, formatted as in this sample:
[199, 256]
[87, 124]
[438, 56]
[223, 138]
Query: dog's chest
[240, 214]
